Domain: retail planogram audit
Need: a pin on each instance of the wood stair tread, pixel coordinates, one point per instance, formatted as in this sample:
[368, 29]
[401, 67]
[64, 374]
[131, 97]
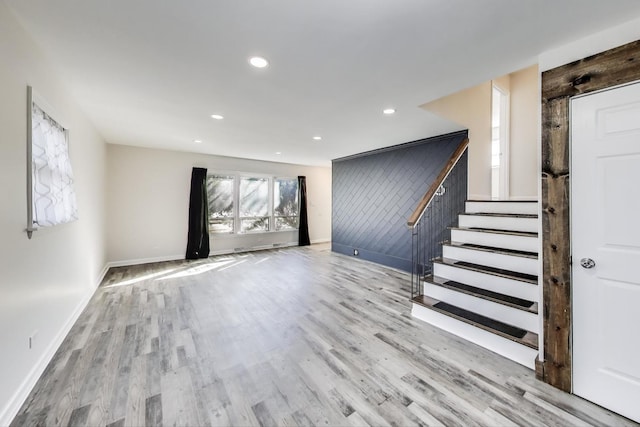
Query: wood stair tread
[507, 300]
[503, 251]
[522, 277]
[494, 231]
[504, 330]
[500, 215]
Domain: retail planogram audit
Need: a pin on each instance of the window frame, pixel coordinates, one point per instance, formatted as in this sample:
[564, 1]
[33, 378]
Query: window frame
[271, 215]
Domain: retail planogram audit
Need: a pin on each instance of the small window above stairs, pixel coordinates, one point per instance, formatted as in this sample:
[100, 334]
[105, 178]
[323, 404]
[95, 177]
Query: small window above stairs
[484, 288]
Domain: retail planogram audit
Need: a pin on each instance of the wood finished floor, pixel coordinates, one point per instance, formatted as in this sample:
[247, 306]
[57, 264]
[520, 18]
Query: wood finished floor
[298, 336]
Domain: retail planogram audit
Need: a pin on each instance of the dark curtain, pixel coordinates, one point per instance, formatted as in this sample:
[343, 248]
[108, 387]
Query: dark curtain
[303, 231]
[198, 236]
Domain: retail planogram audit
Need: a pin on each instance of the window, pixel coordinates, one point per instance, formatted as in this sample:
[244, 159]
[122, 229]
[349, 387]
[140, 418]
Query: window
[220, 191]
[250, 204]
[254, 204]
[285, 203]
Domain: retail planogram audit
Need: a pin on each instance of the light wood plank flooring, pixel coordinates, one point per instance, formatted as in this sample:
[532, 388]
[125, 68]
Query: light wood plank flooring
[298, 336]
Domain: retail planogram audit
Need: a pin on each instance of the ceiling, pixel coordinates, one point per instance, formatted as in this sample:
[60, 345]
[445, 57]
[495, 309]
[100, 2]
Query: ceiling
[151, 72]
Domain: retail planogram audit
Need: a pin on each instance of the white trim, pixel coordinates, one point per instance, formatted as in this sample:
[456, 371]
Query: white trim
[316, 241]
[541, 312]
[505, 131]
[524, 198]
[253, 248]
[137, 261]
[103, 273]
[125, 263]
[10, 411]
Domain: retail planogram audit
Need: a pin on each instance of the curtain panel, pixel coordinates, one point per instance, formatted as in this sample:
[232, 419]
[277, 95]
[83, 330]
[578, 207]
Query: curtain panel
[54, 198]
[303, 230]
[198, 234]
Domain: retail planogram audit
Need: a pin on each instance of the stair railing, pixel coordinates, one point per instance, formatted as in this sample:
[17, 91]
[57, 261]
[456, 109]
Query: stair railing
[436, 212]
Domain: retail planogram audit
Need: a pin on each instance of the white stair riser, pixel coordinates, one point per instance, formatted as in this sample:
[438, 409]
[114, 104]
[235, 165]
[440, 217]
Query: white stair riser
[492, 259]
[490, 282]
[496, 240]
[512, 350]
[526, 208]
[506, 223]
[509, 315]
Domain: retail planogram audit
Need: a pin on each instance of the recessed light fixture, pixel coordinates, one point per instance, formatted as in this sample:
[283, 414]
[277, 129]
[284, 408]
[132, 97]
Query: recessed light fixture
[389, 111]
[258, 62]
[197, 141]
[217, 116]
[278, 153]
[317, 138]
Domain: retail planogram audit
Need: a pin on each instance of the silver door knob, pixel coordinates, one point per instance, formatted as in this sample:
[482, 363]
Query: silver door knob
[587, 263]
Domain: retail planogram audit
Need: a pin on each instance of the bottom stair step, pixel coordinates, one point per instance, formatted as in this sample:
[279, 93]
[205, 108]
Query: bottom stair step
[482, 320]
[512, 342]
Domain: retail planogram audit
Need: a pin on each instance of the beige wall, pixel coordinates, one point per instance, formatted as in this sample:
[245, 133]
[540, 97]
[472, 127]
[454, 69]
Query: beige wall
[472, 108]
[45, 281]
[525, 124]
[148, 202]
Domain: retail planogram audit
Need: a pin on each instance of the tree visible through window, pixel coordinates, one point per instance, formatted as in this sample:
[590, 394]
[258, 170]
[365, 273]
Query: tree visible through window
[285, 203]
[220, 190]
[254, 204]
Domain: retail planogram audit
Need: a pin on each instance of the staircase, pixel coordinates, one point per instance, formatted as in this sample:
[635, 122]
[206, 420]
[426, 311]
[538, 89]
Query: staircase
[484, 288]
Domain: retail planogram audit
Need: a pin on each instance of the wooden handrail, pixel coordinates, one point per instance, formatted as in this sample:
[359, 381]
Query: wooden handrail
[431, 192]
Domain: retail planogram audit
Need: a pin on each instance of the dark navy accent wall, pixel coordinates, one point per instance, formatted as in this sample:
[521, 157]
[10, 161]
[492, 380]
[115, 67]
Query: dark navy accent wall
[375, 193]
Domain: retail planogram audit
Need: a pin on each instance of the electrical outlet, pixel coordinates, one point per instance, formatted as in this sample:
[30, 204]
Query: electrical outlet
[355, 252]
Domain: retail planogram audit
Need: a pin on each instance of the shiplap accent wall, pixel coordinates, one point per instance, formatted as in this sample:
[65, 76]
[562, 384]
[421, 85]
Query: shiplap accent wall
[374, 194]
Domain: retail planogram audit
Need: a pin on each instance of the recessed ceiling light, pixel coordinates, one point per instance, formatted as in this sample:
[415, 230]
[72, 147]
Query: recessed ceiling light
[217, 116]
[197, 141]
[258, 62]
[278, 153]
[317, 138]
[389, 111]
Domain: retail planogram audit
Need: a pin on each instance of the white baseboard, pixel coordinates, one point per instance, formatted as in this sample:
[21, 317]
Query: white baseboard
[128, 262]
[252, 249]
[103, 273]
[316, 241]
[125, 263]
[9, 412]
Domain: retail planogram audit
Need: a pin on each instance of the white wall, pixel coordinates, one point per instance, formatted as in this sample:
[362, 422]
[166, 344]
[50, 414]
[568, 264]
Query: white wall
[45, 281]
[525, 121]
[148, 202]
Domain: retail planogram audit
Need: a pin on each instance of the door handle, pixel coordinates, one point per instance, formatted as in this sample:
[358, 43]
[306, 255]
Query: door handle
[587, 263]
